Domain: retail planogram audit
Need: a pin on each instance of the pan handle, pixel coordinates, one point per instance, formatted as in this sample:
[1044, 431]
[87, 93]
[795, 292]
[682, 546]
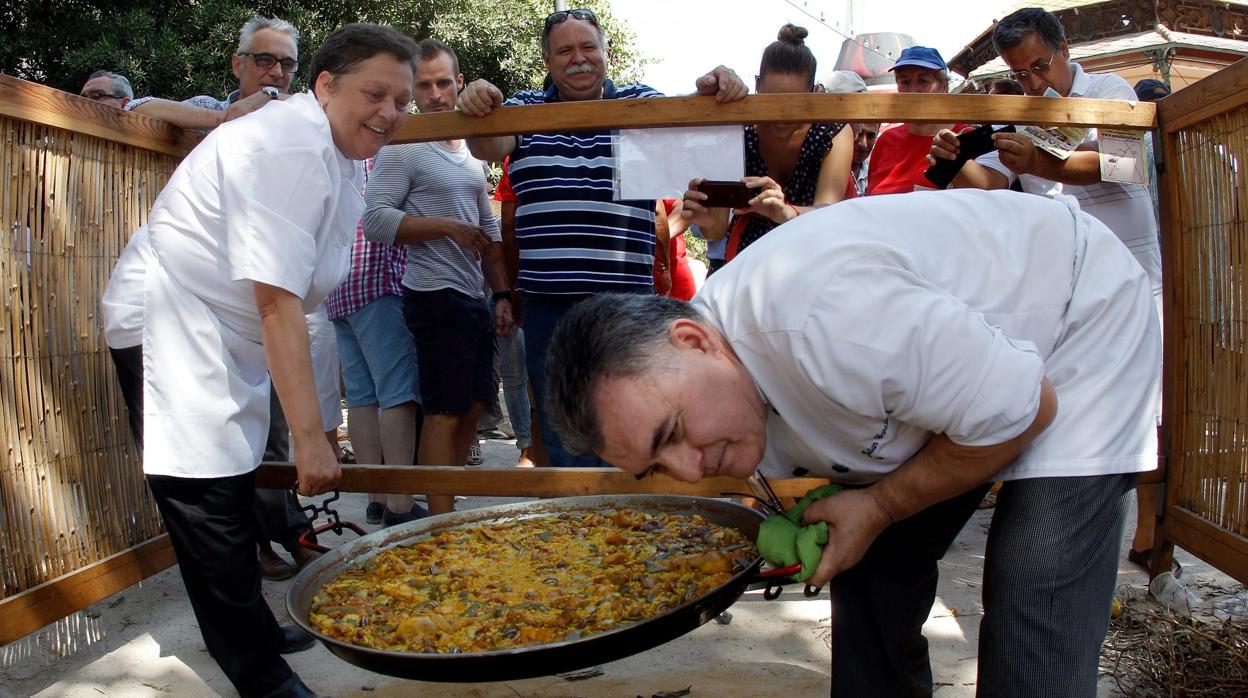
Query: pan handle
[773, 581]
[333, 523]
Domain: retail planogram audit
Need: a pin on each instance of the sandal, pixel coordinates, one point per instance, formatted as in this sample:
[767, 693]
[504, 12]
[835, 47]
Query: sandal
[1144, 559]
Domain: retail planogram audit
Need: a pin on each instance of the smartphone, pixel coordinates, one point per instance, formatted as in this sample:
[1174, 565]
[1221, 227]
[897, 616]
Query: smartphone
[725, 194]
[971, 144]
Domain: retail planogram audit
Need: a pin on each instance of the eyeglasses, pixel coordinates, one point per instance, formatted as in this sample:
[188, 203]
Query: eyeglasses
[562, 16]
[100, 95]
[266, 61]
[1040, 68]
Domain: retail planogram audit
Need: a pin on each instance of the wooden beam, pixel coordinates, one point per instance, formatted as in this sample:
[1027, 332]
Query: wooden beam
[40, 104]
[1221, 548]
[774, 108]
[1219, 93]
[30, 610]
[521, 482]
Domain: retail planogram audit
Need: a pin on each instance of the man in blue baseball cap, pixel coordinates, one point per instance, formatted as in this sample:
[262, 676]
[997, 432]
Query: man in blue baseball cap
[900, 156]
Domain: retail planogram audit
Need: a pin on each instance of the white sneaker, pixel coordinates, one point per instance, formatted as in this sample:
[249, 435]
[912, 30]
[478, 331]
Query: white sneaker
[474, 455]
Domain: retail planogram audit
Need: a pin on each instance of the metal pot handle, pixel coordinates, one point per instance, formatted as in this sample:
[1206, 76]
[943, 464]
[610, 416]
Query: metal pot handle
[333, 523]
[773, 581]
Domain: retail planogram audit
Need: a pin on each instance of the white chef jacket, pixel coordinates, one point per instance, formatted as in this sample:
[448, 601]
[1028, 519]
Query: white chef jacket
[1126, 209]
[121, 306]
[267, 198]
[871, 325]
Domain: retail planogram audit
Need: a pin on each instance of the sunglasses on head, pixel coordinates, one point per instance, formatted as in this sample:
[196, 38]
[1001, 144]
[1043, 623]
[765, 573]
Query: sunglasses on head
[562, 16]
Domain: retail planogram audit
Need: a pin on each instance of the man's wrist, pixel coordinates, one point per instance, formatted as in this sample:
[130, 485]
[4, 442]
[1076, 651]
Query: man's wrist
[503, 295]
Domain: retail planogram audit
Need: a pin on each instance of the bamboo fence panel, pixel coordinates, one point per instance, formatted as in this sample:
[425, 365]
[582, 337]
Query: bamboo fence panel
[71, 484]
[1211, 429]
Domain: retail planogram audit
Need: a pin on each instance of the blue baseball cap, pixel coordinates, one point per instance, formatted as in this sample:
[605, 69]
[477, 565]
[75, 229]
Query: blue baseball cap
[922, 57]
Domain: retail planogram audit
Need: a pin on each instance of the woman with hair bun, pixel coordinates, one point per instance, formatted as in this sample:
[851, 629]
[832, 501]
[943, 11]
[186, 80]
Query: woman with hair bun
[795, 167]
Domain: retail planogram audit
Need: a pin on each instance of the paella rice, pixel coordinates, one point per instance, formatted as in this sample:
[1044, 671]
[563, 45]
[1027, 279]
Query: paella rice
[505, 584]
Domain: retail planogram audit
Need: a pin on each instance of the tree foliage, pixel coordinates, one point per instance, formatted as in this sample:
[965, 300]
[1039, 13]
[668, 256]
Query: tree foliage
[180, 49]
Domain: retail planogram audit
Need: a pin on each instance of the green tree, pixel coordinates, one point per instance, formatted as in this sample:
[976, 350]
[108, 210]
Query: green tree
[180, 49]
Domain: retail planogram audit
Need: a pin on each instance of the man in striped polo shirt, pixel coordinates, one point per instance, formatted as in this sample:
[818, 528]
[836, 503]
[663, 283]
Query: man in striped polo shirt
[432, 197]
[574, 240]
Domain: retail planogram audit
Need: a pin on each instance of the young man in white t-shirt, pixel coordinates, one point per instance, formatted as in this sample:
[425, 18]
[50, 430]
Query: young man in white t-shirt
[950, 339]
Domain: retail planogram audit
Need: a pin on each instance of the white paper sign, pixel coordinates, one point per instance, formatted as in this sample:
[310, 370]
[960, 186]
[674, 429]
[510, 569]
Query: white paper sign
[657, 163]
[1122, 156]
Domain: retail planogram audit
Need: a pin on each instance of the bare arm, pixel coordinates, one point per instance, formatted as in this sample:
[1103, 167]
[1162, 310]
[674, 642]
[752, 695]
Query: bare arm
[185, 115]
[662, 249]
[289, 357]
[940, 470]
[479, 98]
[834, 171]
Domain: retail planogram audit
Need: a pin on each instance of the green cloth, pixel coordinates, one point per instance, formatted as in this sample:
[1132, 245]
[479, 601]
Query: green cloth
[784, 541]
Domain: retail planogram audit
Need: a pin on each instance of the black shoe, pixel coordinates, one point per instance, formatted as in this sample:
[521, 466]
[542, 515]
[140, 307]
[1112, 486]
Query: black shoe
[373, 512]
[294, 639]
[291, 688]
[416, 513]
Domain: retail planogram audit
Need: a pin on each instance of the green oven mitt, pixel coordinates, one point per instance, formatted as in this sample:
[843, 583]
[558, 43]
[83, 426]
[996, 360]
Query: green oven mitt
[784, 541]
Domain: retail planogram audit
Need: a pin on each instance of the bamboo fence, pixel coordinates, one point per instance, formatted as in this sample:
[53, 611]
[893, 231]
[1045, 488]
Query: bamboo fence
[71, 484]
[1209, 235]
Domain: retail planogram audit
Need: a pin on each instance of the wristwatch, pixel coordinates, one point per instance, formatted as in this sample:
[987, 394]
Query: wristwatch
[498, 295]
[272, 92]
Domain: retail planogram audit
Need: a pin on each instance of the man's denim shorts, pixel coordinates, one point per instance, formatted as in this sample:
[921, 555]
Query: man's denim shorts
[378, 355]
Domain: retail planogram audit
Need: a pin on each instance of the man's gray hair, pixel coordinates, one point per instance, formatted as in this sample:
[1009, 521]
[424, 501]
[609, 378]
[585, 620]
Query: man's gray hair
[609, 335]
[255, 24]
[121, 85]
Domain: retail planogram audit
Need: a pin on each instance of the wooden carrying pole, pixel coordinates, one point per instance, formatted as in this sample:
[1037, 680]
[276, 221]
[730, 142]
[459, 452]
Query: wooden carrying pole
[789, 108]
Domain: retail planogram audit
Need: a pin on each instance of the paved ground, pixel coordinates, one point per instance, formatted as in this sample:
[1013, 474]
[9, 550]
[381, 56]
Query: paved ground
[144, 642]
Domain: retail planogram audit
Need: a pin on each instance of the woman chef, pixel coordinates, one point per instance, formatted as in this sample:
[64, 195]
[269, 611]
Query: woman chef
[252, 232]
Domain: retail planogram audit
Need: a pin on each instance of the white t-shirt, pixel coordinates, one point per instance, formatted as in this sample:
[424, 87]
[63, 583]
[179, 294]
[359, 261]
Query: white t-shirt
[870, 325]
[1126, 209]
[265, 198]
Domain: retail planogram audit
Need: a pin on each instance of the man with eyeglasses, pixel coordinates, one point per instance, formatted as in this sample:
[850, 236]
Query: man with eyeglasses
[107, 87]
[1032, 43]
[574, 241]
[265, 64]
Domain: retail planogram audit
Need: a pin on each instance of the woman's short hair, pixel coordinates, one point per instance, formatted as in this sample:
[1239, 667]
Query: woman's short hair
[345, 49]
[606, 335]
[789, 55]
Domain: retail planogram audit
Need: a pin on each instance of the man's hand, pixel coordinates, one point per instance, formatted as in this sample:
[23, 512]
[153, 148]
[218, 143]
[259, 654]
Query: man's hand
[770, 201]
[246, 106]
[944, 146]
[693, 208]
[318, 470]
[1018, 152]
[855, 519]
[723, 83]
[502, 317]
[480, 98]
[470, 237]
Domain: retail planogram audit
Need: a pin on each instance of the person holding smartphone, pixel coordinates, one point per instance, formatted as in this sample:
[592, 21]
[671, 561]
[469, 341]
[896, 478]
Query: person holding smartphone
[790, 168]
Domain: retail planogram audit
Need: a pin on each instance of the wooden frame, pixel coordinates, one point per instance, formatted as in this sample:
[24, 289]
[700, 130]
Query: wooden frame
[30, 101]
[26, 612]
[759, 109]
[1219, 94]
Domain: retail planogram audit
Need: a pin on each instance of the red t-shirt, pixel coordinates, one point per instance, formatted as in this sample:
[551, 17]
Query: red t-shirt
[678, 264]
[503, 191]
[899, 161]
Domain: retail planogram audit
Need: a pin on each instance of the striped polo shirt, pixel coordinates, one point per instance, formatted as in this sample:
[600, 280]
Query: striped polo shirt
[573, 238]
